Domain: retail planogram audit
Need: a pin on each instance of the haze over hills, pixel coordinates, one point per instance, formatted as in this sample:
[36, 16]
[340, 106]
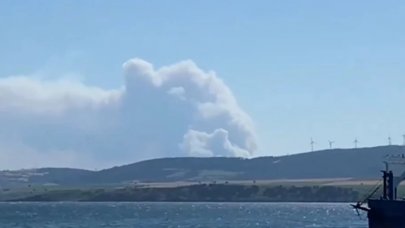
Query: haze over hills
[361, 163]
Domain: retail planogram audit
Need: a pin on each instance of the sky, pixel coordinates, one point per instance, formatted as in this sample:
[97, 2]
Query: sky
[101, 83]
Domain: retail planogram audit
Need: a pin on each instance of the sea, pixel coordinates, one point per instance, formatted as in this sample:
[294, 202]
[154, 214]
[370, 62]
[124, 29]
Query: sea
[177, 215]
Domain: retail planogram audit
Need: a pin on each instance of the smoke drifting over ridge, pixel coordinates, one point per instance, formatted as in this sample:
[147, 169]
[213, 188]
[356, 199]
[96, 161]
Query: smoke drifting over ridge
[176, 110]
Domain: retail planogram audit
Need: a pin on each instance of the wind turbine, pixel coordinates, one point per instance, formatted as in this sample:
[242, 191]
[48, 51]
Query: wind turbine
[356, 142]
[331, 144]
[389, 141]
[312, 144]
[404, 139]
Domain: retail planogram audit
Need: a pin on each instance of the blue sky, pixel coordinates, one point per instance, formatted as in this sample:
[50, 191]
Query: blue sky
[331, 70]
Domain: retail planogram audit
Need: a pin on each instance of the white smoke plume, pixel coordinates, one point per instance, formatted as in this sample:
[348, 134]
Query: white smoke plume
[176, 110]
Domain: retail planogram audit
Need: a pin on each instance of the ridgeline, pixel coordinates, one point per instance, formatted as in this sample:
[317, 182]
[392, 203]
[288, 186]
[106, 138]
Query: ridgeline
[361, 163]
[305, 177]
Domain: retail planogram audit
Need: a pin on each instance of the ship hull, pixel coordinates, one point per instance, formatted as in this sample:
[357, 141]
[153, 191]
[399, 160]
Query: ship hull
[386, 213]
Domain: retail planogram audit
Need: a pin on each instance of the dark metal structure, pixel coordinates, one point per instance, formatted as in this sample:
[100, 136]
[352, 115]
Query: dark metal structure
[387, 211]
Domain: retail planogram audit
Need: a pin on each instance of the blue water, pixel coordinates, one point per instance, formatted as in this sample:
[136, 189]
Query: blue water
[125, 215]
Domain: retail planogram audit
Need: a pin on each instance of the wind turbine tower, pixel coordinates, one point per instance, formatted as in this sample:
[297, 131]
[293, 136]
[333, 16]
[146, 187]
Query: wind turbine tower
[312, 144]
[389, 141]
[331, 144]
[356, 142]
[404, 139]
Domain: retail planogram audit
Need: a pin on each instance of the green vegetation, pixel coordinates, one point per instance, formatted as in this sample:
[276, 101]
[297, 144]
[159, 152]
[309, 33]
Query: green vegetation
[339, 175]
[204, 193]
[361, 163]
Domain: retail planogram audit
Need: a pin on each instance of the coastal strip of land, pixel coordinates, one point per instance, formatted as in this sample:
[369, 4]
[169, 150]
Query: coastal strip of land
[255, 191]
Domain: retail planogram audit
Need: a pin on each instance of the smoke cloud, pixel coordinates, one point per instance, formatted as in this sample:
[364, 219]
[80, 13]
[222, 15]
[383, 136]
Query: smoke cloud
[176, 110]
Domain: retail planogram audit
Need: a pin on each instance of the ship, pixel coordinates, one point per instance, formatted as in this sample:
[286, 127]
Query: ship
[386, 211]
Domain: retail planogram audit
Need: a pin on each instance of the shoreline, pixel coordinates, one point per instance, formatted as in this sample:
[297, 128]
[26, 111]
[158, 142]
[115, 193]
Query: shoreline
[196, 193]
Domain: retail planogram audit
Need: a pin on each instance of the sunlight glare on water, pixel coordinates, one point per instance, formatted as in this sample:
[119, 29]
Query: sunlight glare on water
[126, 215]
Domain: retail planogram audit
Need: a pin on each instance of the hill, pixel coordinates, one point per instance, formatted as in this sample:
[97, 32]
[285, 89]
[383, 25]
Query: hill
[361, 163]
